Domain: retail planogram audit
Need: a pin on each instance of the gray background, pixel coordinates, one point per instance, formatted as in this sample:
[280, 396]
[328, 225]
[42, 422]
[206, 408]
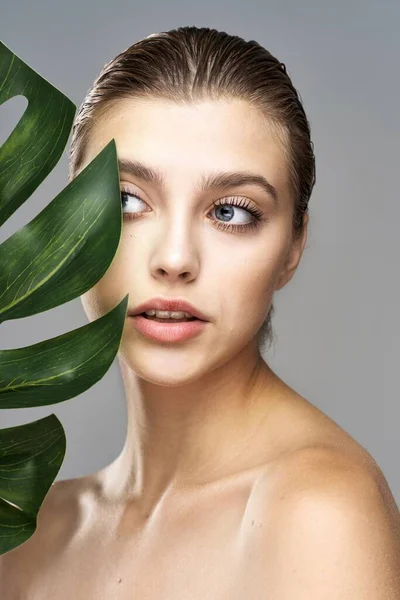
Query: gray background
[337, 320]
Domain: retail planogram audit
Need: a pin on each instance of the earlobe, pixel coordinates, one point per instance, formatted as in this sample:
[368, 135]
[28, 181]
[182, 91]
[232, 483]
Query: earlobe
[294, 256]
[285, 276]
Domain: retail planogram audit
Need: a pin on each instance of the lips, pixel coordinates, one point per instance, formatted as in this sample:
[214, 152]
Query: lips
[170, 304]
[168, 332]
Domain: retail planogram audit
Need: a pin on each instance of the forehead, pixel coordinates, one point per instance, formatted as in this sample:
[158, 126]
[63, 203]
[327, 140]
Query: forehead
[198, 137]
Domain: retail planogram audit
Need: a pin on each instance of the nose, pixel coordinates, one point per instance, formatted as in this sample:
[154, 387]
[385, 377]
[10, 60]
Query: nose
[175, 257]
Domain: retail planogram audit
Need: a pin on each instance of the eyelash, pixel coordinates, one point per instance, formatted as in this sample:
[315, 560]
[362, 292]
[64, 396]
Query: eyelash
[257, 215]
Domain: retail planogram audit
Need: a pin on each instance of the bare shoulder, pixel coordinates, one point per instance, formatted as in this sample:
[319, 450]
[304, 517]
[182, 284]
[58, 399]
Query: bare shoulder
[334, 526]
[319, 456]
[324, 473]
[58, 520]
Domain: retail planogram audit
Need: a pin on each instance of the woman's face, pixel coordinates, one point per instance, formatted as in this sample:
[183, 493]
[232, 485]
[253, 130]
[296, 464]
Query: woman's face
[221, 259]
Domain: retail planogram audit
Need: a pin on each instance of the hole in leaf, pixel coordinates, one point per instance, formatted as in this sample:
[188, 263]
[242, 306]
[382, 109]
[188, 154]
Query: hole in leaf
[10, 114]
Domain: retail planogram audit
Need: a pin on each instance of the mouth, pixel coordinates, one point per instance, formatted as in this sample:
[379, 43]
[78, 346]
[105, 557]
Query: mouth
[168, 306]
[166, 321]
[168, 330]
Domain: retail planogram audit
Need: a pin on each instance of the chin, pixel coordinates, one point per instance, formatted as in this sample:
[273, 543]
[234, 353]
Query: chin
[168, 371]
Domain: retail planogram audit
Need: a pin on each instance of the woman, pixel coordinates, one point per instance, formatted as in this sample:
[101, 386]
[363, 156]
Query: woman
[230, 485]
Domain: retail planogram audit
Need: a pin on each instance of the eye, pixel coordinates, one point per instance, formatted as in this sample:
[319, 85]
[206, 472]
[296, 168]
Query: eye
[243, 206]
[133, 205]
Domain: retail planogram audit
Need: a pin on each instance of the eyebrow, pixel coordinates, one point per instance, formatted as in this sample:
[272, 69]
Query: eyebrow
[224, 179]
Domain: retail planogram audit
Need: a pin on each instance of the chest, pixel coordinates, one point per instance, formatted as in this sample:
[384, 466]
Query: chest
[197, 556]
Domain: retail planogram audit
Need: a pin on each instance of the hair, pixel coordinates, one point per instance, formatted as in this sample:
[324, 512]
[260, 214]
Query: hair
[191, 64]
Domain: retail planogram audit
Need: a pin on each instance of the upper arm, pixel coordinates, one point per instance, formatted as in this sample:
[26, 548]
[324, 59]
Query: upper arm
[336, 539]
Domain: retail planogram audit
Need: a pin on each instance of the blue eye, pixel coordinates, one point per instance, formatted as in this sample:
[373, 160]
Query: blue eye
[256, 214]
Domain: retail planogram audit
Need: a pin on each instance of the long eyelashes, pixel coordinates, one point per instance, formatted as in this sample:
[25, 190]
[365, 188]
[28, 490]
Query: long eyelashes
[257, 215]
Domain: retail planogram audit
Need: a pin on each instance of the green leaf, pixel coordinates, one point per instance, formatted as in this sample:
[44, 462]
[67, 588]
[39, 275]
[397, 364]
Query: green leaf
[59, 255]
[30, 457]
[67, 248]
[62, 367]
[35, 146]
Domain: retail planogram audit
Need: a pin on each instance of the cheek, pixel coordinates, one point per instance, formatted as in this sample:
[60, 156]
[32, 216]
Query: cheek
[90, 303]
[117, 281]
[105, 294]
[257, 290]
[245, 285]
[250, 279]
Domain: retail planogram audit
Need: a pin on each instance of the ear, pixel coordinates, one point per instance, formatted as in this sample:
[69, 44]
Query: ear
[293, 257]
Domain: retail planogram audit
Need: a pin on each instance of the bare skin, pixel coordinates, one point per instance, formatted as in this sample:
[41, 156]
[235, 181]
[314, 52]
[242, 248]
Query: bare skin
[197, 543]
[219, 449]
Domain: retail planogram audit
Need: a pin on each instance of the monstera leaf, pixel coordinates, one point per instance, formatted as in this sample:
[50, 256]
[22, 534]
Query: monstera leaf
[56, 257]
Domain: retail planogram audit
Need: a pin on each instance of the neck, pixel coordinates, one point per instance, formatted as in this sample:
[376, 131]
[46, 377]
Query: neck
[189, 435]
